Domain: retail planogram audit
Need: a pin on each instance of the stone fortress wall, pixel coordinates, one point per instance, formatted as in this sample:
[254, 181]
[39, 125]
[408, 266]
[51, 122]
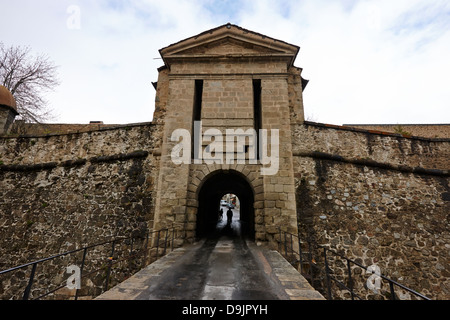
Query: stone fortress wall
[378, 199]
[64, 192]
[418, 130]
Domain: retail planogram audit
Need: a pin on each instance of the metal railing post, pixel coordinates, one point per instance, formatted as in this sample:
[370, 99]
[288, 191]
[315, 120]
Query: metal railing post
[350, 280]
[108, 273]
[391, 285]
[165, 241]
[146, 248]
[81, 269]
[157, 244]
[327, 272]
[310, 263]
[300, 253]
[26, 294]
[292, 247]
[285, 245]
[279, 243]
[173, 237]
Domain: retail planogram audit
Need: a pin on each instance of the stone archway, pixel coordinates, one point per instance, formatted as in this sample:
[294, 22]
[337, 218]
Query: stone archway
[210, 192]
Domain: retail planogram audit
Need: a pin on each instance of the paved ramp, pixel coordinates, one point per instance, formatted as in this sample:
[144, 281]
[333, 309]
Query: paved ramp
[221, 267]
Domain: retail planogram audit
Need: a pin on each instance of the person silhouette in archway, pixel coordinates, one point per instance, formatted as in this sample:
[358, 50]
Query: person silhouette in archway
[229, 216]
[220, 214]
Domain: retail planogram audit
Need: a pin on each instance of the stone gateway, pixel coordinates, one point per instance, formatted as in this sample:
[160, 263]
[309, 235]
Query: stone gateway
[377, 197]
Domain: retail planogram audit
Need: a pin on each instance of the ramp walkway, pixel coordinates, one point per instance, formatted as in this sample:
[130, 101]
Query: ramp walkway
[223, 266]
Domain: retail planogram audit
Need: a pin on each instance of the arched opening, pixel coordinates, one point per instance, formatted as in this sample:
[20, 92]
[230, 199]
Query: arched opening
[210, 195]
[229, 211]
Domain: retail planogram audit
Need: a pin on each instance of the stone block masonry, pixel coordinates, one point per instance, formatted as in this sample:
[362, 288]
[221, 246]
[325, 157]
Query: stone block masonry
[230, 79]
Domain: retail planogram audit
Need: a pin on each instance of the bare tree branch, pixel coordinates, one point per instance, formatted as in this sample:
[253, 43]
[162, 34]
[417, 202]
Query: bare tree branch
[28, 78]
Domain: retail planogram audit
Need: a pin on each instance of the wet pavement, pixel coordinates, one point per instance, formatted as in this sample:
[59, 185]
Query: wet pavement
[224, 266]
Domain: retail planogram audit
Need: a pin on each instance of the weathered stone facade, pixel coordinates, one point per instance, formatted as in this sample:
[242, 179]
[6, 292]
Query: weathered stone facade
[379, 198]
[228, 102]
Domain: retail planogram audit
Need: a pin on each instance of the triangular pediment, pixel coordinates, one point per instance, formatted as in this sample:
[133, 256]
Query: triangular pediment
[229, 40]
[228, 45]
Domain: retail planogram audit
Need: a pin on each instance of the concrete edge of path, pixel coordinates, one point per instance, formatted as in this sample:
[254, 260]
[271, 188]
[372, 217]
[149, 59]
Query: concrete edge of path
[287, 281]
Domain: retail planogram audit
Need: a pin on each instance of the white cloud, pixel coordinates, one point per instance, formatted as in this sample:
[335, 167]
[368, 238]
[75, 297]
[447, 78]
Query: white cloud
[367, 61]
[361, 71]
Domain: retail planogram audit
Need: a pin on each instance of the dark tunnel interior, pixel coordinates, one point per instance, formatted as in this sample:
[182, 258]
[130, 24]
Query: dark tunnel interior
[209, 197]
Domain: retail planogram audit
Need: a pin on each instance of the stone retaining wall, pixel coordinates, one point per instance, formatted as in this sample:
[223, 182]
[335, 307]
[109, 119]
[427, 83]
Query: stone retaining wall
[63, 192]
[377, 212]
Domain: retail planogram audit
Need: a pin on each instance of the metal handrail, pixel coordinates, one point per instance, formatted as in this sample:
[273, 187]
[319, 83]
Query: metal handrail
[110, 259]
[329, 277]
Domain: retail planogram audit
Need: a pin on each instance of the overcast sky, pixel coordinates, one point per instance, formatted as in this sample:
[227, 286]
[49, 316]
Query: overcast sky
[367, 61]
